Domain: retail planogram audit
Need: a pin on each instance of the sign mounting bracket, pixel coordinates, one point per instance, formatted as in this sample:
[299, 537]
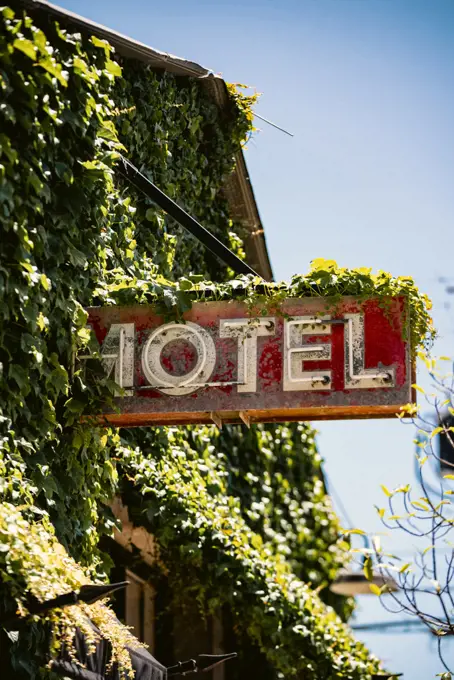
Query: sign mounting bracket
[143, 184]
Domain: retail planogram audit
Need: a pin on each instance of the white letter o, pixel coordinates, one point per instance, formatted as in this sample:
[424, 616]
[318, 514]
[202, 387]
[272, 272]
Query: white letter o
[176, 385]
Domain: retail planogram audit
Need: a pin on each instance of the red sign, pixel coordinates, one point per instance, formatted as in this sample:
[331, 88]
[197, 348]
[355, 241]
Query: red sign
[224, 365]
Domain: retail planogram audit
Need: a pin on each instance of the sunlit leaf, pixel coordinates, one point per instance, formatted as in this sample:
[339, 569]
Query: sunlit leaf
[436, 431]
[103, 44]
[113, 67]
[426, 550]
[26, 46]
[368, 569]
[54, 69]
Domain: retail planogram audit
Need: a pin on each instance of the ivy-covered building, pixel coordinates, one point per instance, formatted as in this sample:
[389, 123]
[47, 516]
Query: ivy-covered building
[227, 536]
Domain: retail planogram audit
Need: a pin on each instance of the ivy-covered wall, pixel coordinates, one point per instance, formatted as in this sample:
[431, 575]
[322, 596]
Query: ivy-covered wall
[242, 517]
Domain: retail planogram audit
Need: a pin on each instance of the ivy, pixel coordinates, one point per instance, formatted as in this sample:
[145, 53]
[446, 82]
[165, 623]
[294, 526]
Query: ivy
[245, 509]
[325, 280]
[271, 528]
[34, 563]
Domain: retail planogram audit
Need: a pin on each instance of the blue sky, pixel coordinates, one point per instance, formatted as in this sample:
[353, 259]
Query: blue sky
[367, 89]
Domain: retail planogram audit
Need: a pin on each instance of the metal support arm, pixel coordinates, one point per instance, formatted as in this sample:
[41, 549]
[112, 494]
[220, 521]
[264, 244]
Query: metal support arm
[143, 184]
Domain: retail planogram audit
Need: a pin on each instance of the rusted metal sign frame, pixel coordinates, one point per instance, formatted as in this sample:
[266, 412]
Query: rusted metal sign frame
[218, 395]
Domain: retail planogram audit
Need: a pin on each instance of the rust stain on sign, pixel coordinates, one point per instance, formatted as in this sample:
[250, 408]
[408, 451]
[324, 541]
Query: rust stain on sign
[302, 364]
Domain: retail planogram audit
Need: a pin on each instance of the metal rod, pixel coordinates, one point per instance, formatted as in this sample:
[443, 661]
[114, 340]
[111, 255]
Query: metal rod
[161, 199]
[203, 664]
[183, 667]
[265, 120]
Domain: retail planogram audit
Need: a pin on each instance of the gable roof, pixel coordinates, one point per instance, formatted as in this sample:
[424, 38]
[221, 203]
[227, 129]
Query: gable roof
[238, 188]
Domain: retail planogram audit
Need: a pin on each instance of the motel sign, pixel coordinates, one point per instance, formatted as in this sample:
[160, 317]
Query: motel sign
[225, 365]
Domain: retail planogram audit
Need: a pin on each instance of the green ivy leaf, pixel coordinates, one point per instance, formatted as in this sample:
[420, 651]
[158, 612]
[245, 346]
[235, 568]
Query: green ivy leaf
[103, 44]
[54, 69]
[80, 65]
[108, 131]
[7, 13]
[44, 281]
[40, 41]
[113, 68]
[19, 375]
[26, 47]
[185, 284]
